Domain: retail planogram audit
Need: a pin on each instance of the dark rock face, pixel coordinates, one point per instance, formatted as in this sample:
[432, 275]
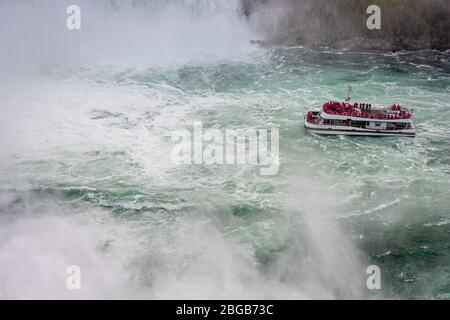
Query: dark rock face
[405, 24]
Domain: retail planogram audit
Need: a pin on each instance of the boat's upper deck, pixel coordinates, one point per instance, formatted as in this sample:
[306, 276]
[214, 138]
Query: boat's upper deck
[340, 110]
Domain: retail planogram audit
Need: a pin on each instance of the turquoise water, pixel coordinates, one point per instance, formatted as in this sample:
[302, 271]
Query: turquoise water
[367, 201]
[86, 179]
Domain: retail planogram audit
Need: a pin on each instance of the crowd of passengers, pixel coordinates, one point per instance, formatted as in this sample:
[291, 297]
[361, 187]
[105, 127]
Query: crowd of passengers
[363, 110]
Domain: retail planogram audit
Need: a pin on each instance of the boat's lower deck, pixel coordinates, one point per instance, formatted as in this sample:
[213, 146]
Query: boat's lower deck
[347, 130]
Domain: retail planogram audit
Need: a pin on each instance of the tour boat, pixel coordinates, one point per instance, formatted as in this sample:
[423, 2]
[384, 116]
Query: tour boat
[360, 119]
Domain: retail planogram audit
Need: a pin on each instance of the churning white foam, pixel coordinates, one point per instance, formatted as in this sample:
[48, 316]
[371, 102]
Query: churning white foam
[150, 33]
[190, 259]
[63, 122]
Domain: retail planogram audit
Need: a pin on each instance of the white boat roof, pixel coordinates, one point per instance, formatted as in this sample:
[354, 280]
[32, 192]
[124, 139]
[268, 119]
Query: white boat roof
[325, 115]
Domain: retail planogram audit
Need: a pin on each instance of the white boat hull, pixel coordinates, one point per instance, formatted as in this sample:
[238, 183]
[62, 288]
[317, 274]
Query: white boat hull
[328, 130]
